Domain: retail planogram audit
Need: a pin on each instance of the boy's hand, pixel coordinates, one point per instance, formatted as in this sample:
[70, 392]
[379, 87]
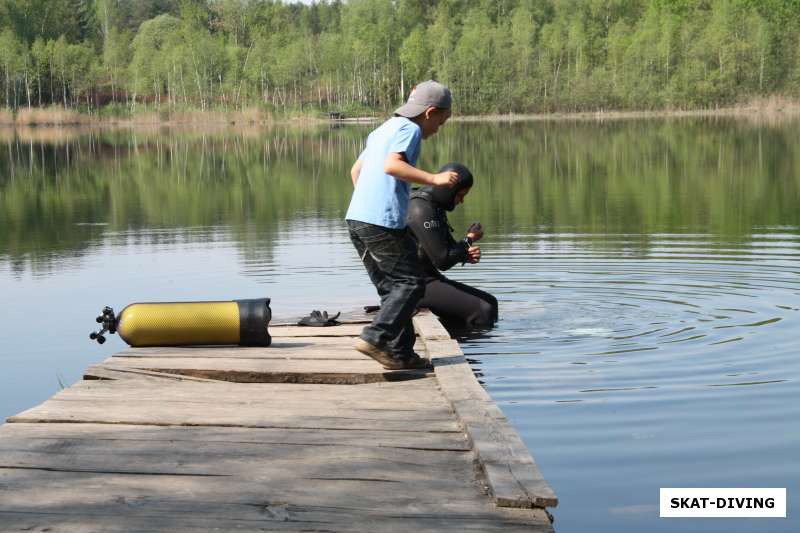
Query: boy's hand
[475, 232]
[474, 254]
[397, 167]
[445, 179]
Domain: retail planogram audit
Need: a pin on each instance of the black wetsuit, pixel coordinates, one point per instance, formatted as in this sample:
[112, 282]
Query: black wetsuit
[455, 303]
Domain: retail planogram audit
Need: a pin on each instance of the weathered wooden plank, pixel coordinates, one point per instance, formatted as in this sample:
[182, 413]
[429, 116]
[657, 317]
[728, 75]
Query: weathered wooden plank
[348, 330]
[116, 516]
[192, 523]
[304, 488]
[514, 478]
[303, 466]
[111, 372]
[511, 473]
[283, 486]
[416, 394]
[428, 326]
[289, 352]
[266, 398]
[294, 348]
[363, 365]
[352, 372]
[113, 434]
[357, 401]
[454, 374]
[420, 390]
[236, 415]
[244, 460]
[31, 498]
[266, 407]
[312, 340]
[318, 406]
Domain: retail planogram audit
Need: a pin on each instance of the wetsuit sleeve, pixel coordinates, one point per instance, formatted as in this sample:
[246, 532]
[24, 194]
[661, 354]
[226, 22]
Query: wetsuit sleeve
[434, 236]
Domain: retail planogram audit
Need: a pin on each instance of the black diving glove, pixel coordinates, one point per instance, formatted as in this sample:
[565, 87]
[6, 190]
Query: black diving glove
[319, 319]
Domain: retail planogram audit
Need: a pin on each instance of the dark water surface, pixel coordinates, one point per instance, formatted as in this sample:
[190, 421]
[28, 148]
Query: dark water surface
[648, 274]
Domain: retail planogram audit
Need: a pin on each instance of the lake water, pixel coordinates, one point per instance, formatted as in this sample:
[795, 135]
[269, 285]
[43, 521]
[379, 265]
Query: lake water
[648, 274]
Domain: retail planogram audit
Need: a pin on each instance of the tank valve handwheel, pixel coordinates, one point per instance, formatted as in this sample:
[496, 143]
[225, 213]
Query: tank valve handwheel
[109, 323]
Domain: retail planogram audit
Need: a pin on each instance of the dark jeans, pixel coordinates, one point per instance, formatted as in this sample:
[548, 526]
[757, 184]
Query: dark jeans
[390, 257]
[459, 305]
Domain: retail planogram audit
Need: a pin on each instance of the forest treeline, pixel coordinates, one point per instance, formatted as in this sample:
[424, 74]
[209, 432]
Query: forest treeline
[496, 55]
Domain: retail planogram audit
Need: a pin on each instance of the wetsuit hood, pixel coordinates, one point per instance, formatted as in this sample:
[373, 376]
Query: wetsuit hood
[445, 197]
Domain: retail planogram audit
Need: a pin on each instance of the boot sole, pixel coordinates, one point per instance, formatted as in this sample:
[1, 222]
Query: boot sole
[386, 361]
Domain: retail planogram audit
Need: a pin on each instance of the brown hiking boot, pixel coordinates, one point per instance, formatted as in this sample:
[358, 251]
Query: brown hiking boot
[415, 362]
[381, 356]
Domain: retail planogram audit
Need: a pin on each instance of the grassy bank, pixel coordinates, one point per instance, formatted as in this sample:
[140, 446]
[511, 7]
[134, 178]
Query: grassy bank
[766, 109]
[770, 108]
[121, 116]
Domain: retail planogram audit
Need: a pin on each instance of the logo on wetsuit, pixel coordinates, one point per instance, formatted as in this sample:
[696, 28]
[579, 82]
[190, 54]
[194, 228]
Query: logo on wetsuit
[428, 224]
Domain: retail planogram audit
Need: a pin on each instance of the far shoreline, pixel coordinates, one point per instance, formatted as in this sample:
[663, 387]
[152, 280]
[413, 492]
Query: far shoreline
[749, 111]
[767, 109]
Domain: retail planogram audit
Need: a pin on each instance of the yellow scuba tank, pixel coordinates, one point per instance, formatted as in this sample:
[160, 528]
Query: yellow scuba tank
[242, 322]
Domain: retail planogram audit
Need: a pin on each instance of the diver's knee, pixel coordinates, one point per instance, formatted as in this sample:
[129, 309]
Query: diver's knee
[484, 314]
[492, 302]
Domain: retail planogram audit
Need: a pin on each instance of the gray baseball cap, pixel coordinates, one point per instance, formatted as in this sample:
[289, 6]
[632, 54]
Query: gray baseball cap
[424, 95]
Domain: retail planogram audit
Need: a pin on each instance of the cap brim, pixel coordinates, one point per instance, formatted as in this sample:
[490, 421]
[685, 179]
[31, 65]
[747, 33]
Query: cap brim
[409, 110]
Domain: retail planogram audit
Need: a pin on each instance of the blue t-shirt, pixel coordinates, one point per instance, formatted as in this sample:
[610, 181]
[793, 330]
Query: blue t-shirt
[379, 198]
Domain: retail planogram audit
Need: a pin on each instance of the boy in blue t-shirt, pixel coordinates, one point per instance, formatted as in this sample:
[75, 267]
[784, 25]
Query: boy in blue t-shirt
[376, 220]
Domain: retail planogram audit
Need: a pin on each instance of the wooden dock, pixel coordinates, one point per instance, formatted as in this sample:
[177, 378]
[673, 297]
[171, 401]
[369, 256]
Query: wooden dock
[306, 435]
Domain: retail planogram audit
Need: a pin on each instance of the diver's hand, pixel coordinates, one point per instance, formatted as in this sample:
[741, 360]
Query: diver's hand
[474, 254]
[475, 232]
[445, 179]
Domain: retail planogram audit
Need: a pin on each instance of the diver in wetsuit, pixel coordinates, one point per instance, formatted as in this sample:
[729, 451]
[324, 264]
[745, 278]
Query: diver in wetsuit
[455, 303]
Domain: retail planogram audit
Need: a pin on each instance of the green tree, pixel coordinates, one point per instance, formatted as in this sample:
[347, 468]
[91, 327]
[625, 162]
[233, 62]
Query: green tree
[149, 68]
[415, 61]
[116, 57]
[442, 36]
[12, 65]
[510, 55]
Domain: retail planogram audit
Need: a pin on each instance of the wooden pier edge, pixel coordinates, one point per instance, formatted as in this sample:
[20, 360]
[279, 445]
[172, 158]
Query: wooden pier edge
[510, 471]
[307, 434]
